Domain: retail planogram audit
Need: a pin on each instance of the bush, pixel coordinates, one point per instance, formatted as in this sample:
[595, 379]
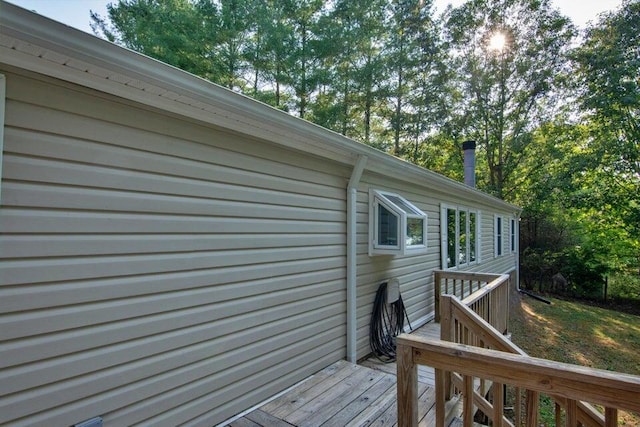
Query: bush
[581, 267]
[624, 287]
[584, 271]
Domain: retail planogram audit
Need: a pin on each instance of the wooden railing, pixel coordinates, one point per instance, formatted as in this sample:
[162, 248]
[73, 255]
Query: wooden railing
[461, 325]
[486, 294]
[612, 390]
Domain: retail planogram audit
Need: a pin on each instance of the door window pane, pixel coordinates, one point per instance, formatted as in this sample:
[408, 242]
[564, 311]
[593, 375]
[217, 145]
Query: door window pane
[462, 246]
[472, 236]
[451, 238]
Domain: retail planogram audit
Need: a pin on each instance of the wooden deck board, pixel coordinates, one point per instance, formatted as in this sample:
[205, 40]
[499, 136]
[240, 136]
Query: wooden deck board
[264, 419]
[387, 384]
[345, 394]
[290, 402]
[334, 399]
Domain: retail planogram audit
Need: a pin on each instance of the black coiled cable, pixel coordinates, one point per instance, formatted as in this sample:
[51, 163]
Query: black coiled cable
[387, 322]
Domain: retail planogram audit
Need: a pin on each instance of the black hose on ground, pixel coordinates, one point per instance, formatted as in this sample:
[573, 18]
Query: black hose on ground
[387, 322]
[534, 296]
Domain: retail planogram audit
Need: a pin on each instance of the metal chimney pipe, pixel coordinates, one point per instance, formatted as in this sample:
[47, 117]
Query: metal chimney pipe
[469, 149]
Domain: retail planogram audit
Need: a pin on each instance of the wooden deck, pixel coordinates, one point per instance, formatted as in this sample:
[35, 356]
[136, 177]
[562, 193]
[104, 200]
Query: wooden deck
[345, 394]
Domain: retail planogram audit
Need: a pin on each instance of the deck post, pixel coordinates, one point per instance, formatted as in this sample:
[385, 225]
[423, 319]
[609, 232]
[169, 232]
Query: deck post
[447, 334]
[407, 387]
[441, 392]
[467, 413]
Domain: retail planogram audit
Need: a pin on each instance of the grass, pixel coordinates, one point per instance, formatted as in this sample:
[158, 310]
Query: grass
[580, 334]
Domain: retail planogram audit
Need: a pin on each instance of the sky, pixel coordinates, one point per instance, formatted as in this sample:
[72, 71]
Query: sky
[75, 13]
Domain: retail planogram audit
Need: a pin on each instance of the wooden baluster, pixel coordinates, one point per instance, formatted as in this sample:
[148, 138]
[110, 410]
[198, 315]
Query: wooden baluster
[533, 401]
[610, 417]
[498, 404]
[486, 312]
[571, 416]
[518, 406]
[467, 415]
[558, 415]
[437, 290]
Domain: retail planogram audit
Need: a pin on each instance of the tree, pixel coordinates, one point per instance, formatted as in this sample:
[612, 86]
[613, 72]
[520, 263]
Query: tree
[270, 47]
[426, 81]
[302, 16]
[609, 68]
[608, 65]
[171, 31]
[232, 39]
[353, 34]
[505, 90]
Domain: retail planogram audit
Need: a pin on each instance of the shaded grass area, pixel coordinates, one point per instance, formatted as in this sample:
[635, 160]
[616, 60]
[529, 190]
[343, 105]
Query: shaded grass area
[580, 334]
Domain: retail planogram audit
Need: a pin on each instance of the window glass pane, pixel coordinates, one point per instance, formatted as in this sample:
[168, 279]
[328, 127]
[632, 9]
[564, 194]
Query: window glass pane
[513, 235]
[387, 227]
[415, 231]
[472, 236]
[462, 247]
[403, 204]
[451, 238]
[499, 236]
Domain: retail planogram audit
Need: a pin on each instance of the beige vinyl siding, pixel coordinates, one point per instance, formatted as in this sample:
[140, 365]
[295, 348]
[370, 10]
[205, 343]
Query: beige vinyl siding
[157, 270]
[415, 272]
[507, 261]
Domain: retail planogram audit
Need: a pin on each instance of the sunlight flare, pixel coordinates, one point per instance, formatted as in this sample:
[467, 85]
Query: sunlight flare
[497, 42]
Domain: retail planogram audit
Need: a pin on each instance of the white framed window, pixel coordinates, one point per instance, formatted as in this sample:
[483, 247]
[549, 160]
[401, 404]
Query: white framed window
[460, 232]
[513, 235]
[396, 226]
[498, 234]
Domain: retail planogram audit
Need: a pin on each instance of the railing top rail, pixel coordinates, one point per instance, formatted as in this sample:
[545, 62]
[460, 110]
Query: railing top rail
[574, 382]
[466, 275]
[495, 283]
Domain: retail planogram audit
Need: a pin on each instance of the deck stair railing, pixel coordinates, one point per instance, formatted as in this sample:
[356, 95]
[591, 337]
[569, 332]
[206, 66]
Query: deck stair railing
[472, 339]
[612, 390]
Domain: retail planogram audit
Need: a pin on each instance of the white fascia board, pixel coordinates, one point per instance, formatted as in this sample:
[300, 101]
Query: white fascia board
[230, 110]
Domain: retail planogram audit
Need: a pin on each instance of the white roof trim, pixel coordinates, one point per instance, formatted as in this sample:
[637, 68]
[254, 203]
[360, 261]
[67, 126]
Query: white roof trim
[41, 45]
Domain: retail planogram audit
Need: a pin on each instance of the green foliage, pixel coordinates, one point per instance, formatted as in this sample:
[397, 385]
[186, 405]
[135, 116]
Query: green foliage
[170, 30]
[505, 92]
[625, 286]
[608, 64]
[557, 130]
[584, 270]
